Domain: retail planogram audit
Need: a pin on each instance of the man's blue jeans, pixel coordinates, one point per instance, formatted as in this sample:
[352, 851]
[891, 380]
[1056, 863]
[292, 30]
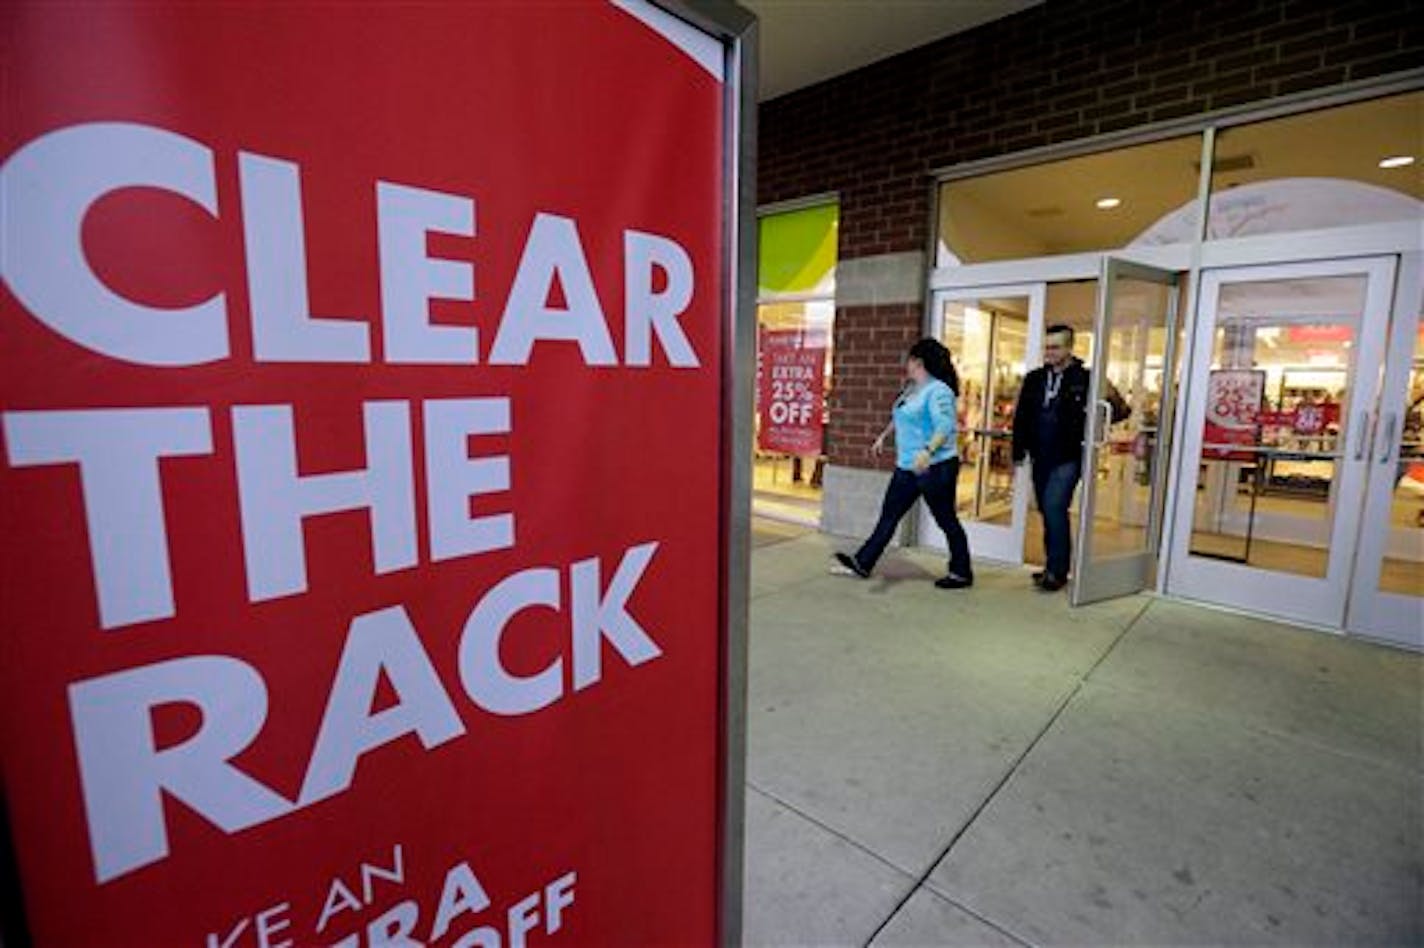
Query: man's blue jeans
[1053, 486]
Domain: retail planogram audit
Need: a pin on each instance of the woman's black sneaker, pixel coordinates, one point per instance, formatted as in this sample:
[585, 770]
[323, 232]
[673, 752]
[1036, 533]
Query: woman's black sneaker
[852, 564]
[953, 582]
[1051, 583]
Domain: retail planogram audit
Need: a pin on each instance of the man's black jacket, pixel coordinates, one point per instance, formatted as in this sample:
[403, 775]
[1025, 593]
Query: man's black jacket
[1071, 409]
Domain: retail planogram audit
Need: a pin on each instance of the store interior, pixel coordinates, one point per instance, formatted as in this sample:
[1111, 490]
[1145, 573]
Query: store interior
[1273, 504]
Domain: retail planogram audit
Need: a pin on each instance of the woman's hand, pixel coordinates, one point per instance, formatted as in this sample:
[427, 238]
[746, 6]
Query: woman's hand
[922, 460]
[878, 447]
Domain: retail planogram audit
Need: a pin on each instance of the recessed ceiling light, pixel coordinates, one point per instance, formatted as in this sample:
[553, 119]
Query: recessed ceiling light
[1107, 204]
[1397, 161]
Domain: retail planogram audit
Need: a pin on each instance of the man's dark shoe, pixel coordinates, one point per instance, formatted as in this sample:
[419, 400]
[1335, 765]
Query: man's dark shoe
[852, 564]
[1051, 583]
[953, 582]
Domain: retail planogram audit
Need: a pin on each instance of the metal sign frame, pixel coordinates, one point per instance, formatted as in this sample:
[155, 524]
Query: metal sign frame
[736, 29]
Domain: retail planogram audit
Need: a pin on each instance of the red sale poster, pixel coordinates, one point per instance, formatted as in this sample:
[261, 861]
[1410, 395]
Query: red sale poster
[790, 391]
[325, 618]
[1314, 418]
[1233, 409]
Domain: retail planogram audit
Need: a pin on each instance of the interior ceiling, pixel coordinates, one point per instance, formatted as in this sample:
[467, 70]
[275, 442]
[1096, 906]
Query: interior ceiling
[1048, 208]
[804, 42]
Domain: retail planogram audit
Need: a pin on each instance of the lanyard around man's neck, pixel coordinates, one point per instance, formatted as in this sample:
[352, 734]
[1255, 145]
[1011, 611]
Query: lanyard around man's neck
[1052, 385]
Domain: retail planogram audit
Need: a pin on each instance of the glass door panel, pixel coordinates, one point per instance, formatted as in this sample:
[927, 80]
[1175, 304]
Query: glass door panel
[993, 334]
[1277, 408]
[1387, 593]
[1283, 395]
[1123, 474]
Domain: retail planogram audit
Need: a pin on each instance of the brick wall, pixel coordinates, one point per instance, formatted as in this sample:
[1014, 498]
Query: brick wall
[870, 343]
[1055, 73]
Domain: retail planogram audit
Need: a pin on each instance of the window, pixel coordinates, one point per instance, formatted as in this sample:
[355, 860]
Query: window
[1352, 165]
[796, 304]
[1101, 201]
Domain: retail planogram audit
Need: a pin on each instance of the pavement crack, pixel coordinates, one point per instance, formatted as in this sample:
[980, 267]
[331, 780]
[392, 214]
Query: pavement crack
[1010, 771]
[829, 829]
[980, 918]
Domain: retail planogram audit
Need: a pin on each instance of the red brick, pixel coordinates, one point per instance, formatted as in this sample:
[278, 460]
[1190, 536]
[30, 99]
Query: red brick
[1179, 109]
[1226, 100]
[1290, 67]
[1320, 42]
[1224, 83]
[1362, 50]
[1386, 64]
[1161, 98]
[1254, 56]
[1314, 80]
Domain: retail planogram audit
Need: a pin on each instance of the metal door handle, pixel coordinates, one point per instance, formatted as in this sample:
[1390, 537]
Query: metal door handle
[1362, 443]
[1389, 427]
[1105, 408]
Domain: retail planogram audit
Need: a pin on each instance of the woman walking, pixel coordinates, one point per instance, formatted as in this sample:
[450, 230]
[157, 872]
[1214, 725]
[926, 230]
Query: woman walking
[926, 429]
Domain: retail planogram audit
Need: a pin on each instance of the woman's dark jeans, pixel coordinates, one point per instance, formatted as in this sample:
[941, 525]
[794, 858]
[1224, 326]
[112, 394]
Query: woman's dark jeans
[937, 486]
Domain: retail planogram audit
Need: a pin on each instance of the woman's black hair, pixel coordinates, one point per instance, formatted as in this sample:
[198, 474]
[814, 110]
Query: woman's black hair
[937, 361]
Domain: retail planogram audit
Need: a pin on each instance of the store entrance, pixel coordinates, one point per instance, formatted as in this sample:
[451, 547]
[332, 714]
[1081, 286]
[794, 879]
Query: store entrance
[1297, 496]
[995, 335]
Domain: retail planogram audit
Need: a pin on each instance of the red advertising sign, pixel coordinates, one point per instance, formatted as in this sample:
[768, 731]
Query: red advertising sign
[325, 618]
[1233, 407]
[1313, 418]
[790, 391]
[1307, 418]
[1320, 332]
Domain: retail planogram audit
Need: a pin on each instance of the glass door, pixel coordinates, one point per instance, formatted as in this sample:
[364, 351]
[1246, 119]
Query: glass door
[994, 335]
[1124, 458]
[1276, 446]
[1387, 592]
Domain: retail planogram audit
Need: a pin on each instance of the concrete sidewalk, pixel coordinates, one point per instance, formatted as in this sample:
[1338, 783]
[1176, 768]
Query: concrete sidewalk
[991, 767]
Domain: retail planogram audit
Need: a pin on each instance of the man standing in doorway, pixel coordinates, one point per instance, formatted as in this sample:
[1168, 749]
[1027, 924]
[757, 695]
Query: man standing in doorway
[1049, 422]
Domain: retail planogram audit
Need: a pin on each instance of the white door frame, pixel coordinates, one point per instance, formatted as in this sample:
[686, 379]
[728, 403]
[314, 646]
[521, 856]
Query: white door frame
[1402, 237]
[989, 541]
[1392, 617]
[1057, 268]
[1305, 599]
[1364, 240]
